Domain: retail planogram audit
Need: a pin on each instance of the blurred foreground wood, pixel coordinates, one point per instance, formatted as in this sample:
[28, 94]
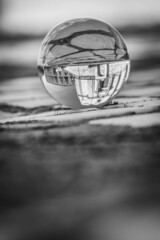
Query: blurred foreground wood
[85, 174]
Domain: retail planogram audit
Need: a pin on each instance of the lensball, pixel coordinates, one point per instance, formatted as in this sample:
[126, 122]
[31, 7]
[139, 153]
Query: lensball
[83, 63]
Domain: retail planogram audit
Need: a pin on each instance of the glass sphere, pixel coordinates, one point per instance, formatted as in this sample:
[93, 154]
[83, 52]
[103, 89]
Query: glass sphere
[83, 63]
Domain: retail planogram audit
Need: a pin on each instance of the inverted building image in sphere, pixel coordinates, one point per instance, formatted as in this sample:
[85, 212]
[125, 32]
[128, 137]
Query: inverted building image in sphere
[83, 63]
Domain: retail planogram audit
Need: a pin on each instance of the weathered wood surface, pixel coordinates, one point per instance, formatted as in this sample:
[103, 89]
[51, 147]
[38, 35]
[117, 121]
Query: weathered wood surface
[85, 174]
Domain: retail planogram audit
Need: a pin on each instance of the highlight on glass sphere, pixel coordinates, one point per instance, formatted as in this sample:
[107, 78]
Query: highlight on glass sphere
[83, 63]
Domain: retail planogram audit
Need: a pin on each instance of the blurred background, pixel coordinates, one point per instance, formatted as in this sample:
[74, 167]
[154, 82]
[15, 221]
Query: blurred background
[23, 25]
[58, 182]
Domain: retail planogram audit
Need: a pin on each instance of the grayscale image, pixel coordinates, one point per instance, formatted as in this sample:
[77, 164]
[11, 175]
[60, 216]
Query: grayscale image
[79, 120]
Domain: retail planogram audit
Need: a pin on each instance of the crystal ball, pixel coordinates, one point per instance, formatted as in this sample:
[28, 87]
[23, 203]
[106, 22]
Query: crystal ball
[83, 63]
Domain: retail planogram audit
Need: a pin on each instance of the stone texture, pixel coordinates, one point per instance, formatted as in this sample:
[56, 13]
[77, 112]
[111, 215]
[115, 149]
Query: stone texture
[68, 174]
[145, 120]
